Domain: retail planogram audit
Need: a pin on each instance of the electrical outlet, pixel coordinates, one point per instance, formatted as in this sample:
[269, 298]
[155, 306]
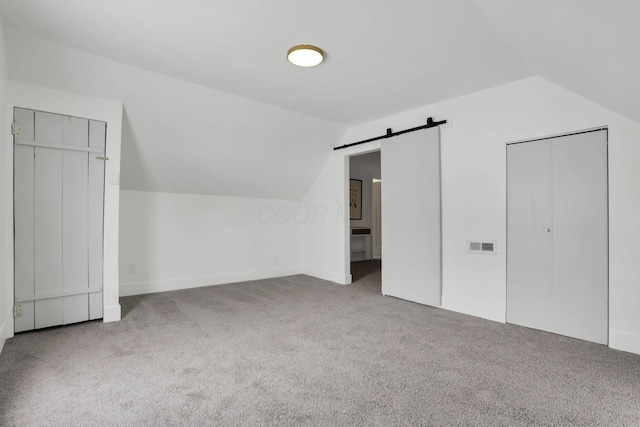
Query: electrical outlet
[132, 269]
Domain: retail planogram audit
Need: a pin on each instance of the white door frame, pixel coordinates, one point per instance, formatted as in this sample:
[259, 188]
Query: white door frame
[106, 110]
[351, 152]
[375, 214]
[72, 309]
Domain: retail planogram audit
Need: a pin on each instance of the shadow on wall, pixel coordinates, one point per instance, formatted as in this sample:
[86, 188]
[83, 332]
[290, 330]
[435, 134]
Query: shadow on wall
[132, 169]
[132, 162]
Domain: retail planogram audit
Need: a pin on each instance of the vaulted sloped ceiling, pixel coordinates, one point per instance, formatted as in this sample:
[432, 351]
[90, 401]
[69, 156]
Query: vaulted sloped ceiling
[180, 137]
[213, 107]
[589, 47]
[382, 56]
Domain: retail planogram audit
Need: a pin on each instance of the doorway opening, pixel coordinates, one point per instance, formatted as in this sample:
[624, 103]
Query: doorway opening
[365, 218]
[411, 236]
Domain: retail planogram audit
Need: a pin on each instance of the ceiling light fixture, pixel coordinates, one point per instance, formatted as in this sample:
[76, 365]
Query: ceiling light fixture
[305, 55]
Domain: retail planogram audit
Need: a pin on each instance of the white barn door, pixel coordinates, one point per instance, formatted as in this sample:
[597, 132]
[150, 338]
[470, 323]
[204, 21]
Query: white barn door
[58, 216]
[411, 228]
[557, 235]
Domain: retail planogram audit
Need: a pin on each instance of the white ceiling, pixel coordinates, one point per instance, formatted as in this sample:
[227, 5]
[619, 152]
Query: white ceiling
[590, 47]
[382, 56]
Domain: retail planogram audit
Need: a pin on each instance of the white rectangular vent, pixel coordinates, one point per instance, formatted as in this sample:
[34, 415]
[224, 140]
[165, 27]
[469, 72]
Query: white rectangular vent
[482, 247]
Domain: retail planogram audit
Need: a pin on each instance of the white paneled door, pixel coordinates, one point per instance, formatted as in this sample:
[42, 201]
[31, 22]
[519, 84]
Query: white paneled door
[557, 235]
[58, 216]
[411, 229]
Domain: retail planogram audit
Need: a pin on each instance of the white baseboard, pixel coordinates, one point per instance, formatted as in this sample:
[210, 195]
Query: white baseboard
[625, 341]
[112, 313]
[139, 288]
[474, 308]
[2, 337]
[331, 276]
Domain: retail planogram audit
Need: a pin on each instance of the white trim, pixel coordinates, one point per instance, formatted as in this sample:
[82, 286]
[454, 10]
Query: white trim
[57, 294]
[560, 135]
[625, 341]
[44, 144]
[24, 95]
[474, 308]
[332, 276]
[347, 153]
[111, 313]
[152, 286]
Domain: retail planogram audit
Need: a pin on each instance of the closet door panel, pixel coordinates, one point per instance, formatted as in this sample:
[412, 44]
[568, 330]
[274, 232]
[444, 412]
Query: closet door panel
[48, 312]
[75, 220]
[48, 234]
[75, 238]
[580, 242]
[24, 234]
[75, 309]
[529, 235]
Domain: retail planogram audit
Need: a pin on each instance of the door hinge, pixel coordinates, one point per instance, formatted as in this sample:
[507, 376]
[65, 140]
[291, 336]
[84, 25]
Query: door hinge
[15, 128]
[17, 310]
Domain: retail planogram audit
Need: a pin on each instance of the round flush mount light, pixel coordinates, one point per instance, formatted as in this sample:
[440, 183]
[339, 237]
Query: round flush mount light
[305, 55]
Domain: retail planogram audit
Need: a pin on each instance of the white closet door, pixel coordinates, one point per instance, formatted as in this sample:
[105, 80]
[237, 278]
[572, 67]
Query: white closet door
[529, 238]
[580, 237]
[411, 226]
[58, 195]
[557, 248]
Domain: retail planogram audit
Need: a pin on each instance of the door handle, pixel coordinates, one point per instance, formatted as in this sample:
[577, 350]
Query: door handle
[102, 158]
[546, 230]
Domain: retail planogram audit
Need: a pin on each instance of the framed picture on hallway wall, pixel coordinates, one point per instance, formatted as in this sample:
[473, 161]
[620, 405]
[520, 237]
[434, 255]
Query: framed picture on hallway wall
[355, 199]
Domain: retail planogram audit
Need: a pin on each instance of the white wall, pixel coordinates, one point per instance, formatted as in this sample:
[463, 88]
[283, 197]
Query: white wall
[184, 139]
[179, 137]
[474, 194]
[179, 241]
[6, 162]
[44, 99]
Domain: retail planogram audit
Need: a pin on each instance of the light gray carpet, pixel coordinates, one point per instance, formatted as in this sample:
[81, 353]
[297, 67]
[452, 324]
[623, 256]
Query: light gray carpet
[301, 351]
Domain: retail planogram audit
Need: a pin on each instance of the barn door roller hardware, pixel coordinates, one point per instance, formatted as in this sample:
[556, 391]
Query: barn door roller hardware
[389, 134]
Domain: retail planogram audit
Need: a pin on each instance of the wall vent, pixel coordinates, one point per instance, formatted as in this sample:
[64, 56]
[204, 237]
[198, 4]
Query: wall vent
[477, 247]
